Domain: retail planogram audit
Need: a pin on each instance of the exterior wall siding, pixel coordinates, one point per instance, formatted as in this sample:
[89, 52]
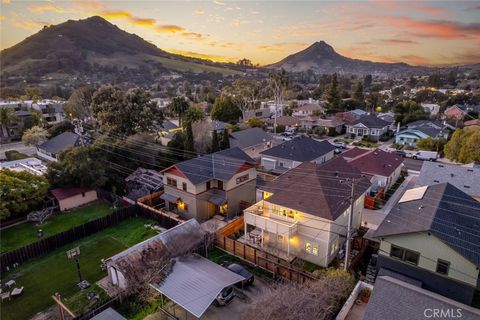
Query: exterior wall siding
[77, 200]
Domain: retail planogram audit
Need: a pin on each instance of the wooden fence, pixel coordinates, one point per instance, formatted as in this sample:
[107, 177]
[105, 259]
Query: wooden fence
[234, 226]
[51, 243]
[262, 259]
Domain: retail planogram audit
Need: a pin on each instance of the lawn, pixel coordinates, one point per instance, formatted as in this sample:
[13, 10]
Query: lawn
[25, 233]
[44, 276]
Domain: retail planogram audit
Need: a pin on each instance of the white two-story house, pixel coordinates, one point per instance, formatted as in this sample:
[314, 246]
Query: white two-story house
[221, 183]
[304, 212]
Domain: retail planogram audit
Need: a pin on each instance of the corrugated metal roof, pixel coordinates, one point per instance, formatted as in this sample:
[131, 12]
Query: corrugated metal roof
[195, 282]
[109, 314]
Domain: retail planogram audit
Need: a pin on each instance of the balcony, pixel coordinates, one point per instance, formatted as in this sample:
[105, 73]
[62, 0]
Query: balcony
[259, 217]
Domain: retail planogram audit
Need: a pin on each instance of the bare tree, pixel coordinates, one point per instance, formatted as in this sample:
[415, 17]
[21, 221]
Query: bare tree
[319, 299]
[279, 83]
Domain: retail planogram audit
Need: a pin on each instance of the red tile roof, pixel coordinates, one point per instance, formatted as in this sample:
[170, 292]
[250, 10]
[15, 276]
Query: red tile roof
[377, 162]
[64, 193]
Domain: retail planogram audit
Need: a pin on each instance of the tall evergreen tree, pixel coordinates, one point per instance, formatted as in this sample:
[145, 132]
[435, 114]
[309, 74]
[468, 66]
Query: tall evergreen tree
[358, 95]
[333, 96]
[215, 142]
[225, 143]
[189, 146]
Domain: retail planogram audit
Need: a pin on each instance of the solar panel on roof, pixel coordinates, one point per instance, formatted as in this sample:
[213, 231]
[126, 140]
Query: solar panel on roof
[413, 194]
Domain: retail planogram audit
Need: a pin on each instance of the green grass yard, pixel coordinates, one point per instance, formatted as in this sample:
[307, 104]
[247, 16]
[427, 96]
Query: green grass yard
[26, 233]
[44, 276]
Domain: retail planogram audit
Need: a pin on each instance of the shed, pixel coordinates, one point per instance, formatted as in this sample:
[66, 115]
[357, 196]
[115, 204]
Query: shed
[70, 198]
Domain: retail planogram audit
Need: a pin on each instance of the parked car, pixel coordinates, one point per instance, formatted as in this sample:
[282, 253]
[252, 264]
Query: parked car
[400, 153]
[341, 145]
[225, 297]
[238, 269]
[425, 155]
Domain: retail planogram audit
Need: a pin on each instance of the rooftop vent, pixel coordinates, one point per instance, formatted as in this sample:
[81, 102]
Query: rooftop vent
[452, 175]
[467, 187]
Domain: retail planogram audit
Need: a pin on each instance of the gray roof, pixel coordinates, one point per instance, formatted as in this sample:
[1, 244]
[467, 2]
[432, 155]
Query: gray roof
[195, 282]
[168, 125]
[447, 212]
[430, 128]
[61, 142]
[249, 137]
[370, 121]
[109, 314]
[221, 165]
[302, 149]
[465, 178]
[394, 299]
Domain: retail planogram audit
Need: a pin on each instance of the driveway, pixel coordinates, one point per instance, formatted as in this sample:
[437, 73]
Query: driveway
[232, 311]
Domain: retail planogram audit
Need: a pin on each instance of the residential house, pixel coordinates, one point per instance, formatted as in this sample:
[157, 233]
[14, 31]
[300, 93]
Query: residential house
[472, 123]
[32, 165]
[71, 198]
[432, 235]
[252, 141]
[397, 299]
[308, 109]
[221, 183]
[465, 178]
[291, 154]
[51, 149]
[388, 117]
[166, 131]
[455, 113]
[353, 115]
[51, 110]
[286, 121]
[369, 126]
[421, 129]
[261, 113]
[332, 125]
[304, 212]
[432, 108]
[384, 168]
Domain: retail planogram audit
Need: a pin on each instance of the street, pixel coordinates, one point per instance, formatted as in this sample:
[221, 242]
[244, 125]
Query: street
[411, 164]
[19, 146]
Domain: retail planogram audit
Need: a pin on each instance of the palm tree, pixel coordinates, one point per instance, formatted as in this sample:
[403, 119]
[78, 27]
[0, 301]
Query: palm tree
[7, 118]
[178, 106]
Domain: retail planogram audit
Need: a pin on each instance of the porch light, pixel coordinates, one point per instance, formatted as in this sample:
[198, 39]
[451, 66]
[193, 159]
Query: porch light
[224, 208]
[181, 204]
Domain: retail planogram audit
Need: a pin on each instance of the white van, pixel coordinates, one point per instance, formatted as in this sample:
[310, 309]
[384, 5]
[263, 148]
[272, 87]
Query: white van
[425, 155]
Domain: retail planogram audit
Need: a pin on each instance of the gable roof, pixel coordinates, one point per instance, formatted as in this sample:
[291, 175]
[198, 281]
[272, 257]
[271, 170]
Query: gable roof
[465, 178]
[447, 212]
[377, 162]
[300, 149]
[168, 125]
[287, 121]
[370, 121]
[221, 165]
[395, 299]
[64, 193]
[317, 189]
[61, 142]
[249, 137]
[429, 128]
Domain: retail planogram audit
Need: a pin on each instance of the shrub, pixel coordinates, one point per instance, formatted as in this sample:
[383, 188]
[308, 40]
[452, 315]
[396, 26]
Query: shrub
[280, 128]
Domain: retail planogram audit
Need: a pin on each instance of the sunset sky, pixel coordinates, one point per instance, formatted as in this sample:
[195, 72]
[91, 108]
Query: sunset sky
[419, 33]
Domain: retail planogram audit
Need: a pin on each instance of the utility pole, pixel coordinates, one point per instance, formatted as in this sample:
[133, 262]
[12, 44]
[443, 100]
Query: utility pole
[349, 225]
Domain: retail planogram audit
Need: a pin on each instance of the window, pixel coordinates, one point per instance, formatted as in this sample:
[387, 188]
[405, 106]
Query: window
[404, 254]
[208, 185]
[308, 247]
[220, 185]
[83, 194]
[182, 205]
[291, 214]
[258, 114]
[311, 248]
[172, 182]
[184, 186]
[443, 266]
[242, 178]
[279, 238]
[283, 212]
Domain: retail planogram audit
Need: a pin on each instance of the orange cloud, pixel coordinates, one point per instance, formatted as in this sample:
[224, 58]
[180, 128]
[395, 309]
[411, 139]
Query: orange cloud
[283, 47]
[118, 14]
[45, 7]
[441, 29]
[429, 9]
[195, 35]
[6, 1]
[199, 12]
[2, 17]
[169, 28]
